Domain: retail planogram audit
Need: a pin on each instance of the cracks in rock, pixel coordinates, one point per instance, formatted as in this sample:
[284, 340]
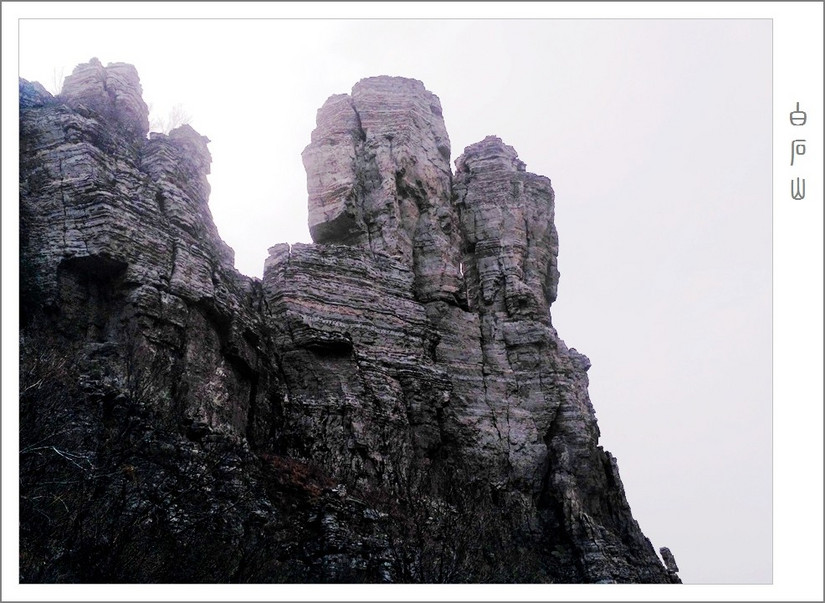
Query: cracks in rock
[527, 245]
[252, 409]
[110, 112]
[362, 135]
[361, 178]
[509, 431]
[485, 374]
[110, 93]
[290, 333]
[467, 249]
[160, 199]
[63, 204]
[366, 172]
[369, 240]
[173, 261]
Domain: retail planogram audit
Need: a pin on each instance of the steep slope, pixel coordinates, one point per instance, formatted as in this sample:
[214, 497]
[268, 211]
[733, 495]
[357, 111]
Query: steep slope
[390, 403]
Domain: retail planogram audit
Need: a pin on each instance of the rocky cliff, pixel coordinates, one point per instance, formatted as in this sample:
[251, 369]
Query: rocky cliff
[388, 404]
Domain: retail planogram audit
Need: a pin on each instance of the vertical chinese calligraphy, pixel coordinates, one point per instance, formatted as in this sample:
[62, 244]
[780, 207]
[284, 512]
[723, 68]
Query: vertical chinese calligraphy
[798, 193]
[797, 148]
[798, 118]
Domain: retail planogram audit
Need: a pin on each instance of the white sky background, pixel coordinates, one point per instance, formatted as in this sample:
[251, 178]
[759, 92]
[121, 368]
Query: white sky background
[657, 136]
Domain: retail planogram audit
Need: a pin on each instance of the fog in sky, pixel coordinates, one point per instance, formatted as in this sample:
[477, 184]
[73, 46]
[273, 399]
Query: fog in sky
[656, 135]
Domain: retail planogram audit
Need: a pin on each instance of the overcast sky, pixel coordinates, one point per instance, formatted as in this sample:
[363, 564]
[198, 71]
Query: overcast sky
[657, 137]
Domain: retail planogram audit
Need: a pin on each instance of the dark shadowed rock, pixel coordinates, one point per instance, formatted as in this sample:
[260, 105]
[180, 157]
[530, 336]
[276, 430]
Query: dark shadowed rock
[669, 559]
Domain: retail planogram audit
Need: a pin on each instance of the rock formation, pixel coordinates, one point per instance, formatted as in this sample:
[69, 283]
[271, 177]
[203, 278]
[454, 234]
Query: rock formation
[390, 403]
[378, 176]
[669, 559]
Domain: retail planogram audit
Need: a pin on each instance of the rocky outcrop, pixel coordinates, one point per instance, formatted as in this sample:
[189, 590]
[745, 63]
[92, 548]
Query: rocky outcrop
[378, 176]
[513, 403]
[669, 559]
[118, 238]
[509, 237]
[390, 403]
[112, 92]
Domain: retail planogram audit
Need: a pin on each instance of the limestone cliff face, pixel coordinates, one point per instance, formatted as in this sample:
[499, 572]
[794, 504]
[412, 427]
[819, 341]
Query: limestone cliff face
[390, 403]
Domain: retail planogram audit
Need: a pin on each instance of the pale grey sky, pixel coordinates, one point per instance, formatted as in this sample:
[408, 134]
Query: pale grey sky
[657, 136]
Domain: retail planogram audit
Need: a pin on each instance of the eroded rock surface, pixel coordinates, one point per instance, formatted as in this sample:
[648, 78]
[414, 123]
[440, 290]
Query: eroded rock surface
[389, 404]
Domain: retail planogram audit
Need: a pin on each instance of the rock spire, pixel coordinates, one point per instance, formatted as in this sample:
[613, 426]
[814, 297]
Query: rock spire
[378, 176]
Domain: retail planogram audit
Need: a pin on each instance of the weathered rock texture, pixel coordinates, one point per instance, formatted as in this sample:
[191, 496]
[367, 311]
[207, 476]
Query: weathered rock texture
[390, 403]
[112, 92]
[378, 175]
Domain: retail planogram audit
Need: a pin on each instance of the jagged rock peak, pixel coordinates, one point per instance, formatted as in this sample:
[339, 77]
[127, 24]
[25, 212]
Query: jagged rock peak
[122, 201]
[33, 94]
[490, 154]
[507, 224]
[669, 559]
[113, 91]
[391, 106]
[195, 145]
[378, 177]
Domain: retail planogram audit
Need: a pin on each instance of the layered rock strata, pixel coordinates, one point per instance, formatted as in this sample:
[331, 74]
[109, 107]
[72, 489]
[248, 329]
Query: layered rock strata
[385, 399]
[356, 354]
[112, 92]
[117, 237]
[378, 176]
